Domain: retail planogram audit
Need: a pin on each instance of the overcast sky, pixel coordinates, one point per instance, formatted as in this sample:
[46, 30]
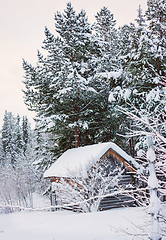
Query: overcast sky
[22, 25]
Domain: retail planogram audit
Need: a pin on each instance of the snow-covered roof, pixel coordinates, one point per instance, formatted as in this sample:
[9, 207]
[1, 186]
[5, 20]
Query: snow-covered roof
[78, 158]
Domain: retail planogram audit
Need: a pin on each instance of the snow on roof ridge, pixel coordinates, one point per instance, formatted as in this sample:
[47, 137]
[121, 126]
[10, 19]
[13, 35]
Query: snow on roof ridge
[78, 158]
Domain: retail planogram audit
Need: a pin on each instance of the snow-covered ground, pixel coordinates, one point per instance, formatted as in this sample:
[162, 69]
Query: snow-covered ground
[115, 224]
[63, 225]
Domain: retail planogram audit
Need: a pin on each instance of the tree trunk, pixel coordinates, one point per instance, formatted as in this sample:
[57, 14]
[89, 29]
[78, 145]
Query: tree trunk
[76, 137]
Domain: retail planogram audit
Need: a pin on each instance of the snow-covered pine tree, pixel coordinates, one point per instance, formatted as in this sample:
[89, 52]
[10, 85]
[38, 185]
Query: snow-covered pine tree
[105, 28]
[116, 45]
[156, 17]
[12, 138]
[13, 189]
[124, 34]
[25, 132]
[1, 151]
[142, 64]
[43, 147]
[140, 18]
[107, 71]
[18, 137]
[107, 35]
[61, 89]
[151, 58]
[8, 140]
[136, 75]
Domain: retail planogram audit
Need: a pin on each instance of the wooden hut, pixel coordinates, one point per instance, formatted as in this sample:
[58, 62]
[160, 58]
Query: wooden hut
[78, 158]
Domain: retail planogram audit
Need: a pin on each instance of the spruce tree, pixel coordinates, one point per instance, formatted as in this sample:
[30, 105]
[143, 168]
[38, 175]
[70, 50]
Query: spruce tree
[107, 71]
[144, 62]
[18, 136]
[15, 138]
[8, 140]
[140, 18]
[43, 146]
[105, 25]
[132, 82]
[25, 132]
[156, 17]
[138, 63]
[1, 152]
[107, 35]
[124, 34]
[62, 88]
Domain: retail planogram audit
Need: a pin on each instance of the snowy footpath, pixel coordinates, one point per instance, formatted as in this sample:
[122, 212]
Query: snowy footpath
[116, 224]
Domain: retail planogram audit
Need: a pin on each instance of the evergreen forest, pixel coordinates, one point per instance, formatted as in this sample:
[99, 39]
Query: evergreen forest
[93, 82]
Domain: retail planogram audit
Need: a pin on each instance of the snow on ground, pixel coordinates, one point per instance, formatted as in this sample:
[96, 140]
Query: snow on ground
[63, 225]
[40, 201]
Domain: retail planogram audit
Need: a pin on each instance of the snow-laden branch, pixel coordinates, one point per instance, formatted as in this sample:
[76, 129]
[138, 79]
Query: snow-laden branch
[144, 121]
